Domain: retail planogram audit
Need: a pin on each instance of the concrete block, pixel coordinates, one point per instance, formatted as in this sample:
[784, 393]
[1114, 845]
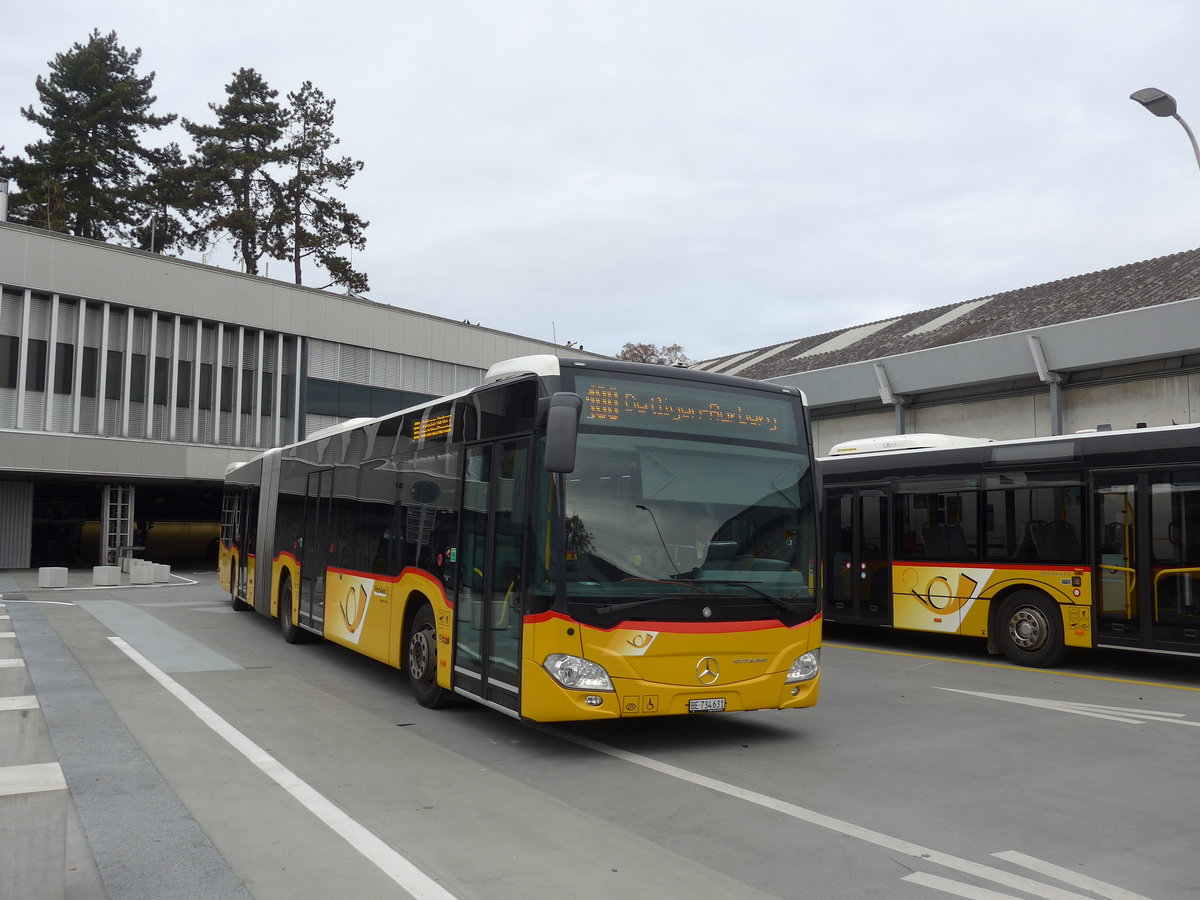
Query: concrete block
[162, 573]
[33, 831]
[14, 678]
[106, 575]
[22, 740]
[52, 576]
[141, 574]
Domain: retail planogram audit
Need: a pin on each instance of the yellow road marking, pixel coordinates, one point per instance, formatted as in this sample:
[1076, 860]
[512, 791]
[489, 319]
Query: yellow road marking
[1012, 667]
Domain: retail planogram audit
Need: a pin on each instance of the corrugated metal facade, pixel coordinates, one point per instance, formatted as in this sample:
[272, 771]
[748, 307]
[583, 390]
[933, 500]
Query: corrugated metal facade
[16, 523]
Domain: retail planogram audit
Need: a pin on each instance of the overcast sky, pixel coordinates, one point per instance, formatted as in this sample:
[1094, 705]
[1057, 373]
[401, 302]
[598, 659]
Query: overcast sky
[716, 174]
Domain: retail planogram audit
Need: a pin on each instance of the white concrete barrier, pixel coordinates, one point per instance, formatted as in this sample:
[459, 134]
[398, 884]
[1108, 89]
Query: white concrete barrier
[142, 573]
[106, 575]
[20, 730]
[33, 831]
[162, 572]
[52, 577]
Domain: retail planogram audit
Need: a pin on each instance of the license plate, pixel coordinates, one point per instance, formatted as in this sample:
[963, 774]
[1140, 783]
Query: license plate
[707, 704]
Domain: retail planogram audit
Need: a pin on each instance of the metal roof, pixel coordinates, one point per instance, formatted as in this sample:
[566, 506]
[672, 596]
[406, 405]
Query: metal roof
[1136, 286]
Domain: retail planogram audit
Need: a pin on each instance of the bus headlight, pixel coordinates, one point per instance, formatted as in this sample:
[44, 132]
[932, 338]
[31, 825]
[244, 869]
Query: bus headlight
[577, 673]
[805, 668]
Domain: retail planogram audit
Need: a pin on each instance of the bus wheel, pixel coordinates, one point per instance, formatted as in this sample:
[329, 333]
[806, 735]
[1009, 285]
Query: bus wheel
[293, 634]
[420, 659]
[235, 601]
[1030, 630]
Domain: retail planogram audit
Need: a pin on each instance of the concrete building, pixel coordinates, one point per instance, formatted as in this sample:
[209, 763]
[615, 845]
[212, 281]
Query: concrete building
[130, 380]
[1117, 348]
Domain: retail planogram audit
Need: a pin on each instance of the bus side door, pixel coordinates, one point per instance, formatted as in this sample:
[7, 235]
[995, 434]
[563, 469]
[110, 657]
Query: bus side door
[860, 581]
[1148, 559]
[315, 548]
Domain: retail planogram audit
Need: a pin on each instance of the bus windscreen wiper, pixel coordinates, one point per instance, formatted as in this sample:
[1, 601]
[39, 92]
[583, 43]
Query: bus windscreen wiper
[749, 585]
[632, 604]
[699, 585]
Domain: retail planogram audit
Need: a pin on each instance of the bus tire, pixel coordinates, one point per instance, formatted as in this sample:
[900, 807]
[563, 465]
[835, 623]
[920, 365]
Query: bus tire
[238, 604]
[420, 660]
[1029, 630]
[292, 633]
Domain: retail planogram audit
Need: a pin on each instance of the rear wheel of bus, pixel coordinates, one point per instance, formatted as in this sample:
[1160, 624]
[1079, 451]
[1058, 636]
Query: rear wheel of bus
[420, 660]
[292, 633]
[1029, 630]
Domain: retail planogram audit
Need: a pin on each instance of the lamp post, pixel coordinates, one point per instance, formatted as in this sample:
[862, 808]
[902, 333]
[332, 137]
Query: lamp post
[1163, 104]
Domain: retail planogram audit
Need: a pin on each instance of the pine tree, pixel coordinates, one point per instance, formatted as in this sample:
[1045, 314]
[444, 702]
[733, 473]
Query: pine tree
[85, 177]
[311, 222]
[164, 197]
[232, 174]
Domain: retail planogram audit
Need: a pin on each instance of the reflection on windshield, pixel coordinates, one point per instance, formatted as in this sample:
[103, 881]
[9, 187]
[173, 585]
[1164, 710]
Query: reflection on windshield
[651, 516]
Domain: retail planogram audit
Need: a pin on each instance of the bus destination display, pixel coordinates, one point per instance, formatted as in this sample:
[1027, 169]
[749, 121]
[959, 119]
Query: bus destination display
[675, 407]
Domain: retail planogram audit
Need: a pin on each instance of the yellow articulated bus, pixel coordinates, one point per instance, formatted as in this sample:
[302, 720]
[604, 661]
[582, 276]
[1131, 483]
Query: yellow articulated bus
[1039, 545]
[572, 540]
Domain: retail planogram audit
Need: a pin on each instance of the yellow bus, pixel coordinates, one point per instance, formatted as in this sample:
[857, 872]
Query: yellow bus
[571, 540]
[1038, 546]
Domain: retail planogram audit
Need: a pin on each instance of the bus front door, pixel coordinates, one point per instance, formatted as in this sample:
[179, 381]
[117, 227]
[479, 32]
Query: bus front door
[489, 606]
[1148, 559]
[860, 582]
[315, 548]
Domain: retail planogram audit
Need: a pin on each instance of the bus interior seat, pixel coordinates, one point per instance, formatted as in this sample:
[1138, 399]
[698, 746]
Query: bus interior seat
[945, 541]
[1066, 539]
[1055, 540]
[931, 537]
[1114, 538]
[1027, 550]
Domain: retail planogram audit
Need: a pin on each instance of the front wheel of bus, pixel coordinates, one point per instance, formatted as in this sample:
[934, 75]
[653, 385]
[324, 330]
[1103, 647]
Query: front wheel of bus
[1030, 630]
[420, 660]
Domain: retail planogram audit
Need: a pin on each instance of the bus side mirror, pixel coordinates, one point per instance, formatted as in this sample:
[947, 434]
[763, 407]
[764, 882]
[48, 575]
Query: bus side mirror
[562, 430]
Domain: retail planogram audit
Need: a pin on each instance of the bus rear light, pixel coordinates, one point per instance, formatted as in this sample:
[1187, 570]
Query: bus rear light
[577, 673]
[805, 668]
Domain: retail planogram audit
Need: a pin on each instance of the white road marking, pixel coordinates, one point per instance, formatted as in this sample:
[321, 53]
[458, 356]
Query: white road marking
[1068, 876]
[849, 829]
[25, 701]
[957, 888]
[391, 863]
[1124, 714]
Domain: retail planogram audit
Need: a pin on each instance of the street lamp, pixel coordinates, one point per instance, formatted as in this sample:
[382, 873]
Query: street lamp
[1163, 104]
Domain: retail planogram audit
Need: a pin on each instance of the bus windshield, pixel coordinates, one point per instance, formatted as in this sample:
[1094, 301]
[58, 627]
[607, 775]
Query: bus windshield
[688, 526]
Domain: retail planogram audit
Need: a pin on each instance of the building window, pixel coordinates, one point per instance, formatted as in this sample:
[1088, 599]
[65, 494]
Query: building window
[247, 391]
[91, 371]
[64, 368]
[8, 361]
[206, 385]
[346, 401]
[35, 369]
[183, 399]
[268, 393]
[162, 380]
[226, 388]
[112, 385]
[137, 378]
